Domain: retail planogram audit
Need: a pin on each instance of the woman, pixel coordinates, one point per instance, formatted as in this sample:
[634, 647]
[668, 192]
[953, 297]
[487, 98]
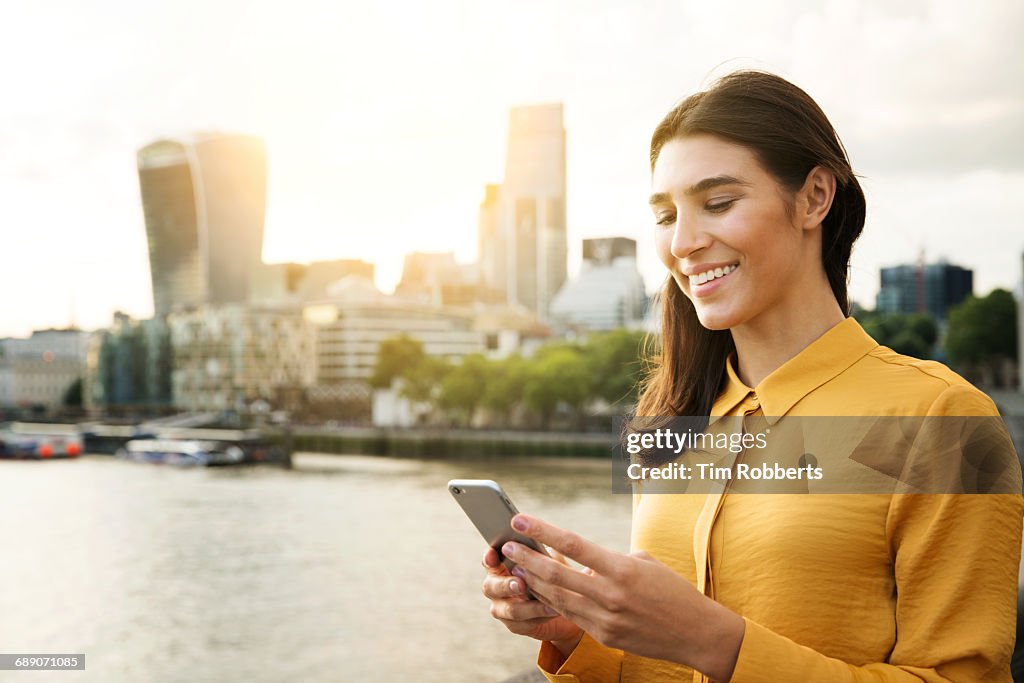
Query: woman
[756, 211]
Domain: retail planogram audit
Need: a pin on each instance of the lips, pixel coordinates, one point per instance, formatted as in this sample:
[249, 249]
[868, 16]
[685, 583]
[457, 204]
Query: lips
[707, 287]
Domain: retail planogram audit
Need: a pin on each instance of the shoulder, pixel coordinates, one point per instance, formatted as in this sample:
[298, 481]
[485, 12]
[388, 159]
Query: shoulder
[923, 386]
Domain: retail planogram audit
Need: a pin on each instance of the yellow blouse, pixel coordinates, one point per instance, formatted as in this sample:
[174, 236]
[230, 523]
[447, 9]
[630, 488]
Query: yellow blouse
[834, 588]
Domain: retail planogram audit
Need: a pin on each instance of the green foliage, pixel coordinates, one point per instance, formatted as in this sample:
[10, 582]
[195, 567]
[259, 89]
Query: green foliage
[396, 357]
[615, 365]
[503, 386]
[606, 366]
[558, 374]
[912, 334]
[983, 329]
[403, 358]
[421, 382]
[73, 395]
[462, 387]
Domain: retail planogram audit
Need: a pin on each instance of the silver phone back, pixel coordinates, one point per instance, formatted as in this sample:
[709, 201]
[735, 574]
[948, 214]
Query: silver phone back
[491, 512]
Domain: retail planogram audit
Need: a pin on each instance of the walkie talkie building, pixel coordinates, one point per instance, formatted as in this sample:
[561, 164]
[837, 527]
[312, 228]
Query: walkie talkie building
[204, 199]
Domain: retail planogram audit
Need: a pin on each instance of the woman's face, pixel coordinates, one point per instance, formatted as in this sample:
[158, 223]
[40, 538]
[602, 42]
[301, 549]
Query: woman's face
[723, 231]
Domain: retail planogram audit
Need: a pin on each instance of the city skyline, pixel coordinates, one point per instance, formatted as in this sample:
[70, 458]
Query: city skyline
[376, 163]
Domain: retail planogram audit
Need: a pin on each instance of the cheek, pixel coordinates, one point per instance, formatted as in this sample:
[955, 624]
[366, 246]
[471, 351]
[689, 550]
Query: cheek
[663, 244]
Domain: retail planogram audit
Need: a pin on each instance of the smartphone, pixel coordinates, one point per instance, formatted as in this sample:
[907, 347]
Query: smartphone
[491, 511]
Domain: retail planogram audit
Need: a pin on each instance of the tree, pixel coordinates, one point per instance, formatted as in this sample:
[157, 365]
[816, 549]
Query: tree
[923, 326]
[395, 357]
[615, 365]
[503, 388]
[421, 382]
[558, 374]
[73, 395]
[983, 331]
[912, 334]
[462, 387]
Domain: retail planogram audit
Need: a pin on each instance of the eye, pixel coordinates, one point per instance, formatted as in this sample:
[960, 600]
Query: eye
[666, 219]
[719, 207]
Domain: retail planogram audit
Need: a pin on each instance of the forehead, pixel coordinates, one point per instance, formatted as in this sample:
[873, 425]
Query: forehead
[686, 161]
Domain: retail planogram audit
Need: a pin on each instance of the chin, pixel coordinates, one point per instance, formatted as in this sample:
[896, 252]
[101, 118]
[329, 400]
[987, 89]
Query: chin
[717, 320]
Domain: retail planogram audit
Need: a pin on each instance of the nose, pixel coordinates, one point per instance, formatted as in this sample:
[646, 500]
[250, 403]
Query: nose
[688, 238]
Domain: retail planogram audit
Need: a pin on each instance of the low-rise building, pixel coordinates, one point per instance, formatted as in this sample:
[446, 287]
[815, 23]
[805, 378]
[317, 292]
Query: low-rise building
[227, 357]
[37, 372]
[350, 327]
[608, 292]
[128, 366]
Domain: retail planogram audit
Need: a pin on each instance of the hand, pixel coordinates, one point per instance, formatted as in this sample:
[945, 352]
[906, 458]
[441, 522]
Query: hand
[511, 606]
[630, 602]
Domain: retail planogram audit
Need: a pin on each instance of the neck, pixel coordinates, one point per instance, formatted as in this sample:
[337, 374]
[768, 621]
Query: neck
[765, 343]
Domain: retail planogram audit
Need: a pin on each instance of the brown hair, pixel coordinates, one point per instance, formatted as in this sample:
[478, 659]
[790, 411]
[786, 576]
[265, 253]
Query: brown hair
[789, 135]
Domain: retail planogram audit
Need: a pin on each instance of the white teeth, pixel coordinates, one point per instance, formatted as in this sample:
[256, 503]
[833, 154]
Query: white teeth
[708, 275]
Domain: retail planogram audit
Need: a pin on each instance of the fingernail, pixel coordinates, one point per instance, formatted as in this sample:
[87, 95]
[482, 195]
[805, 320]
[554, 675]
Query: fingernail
[509, 550]
[518, 571]
[549, 611]
[519, 524]
[513, 586]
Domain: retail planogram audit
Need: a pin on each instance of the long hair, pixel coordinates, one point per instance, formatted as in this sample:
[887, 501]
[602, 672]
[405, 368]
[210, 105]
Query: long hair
[789, 135]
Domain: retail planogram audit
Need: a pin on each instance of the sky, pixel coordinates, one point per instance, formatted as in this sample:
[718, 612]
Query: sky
[384, 121]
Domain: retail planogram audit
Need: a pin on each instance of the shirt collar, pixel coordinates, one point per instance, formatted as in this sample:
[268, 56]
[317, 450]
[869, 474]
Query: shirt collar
[823, 359]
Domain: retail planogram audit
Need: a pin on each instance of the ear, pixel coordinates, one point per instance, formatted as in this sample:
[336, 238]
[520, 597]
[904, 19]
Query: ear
[815, 198]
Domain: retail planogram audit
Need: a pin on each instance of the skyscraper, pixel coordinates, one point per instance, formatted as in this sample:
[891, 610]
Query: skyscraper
[531, 210]
[204, 198]
[933, 288]
[490, 244]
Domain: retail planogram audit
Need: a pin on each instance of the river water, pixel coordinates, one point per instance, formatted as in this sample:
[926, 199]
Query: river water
[345, 568]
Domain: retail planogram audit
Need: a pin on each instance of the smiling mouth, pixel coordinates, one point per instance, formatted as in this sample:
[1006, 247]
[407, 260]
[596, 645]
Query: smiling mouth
[712, 275]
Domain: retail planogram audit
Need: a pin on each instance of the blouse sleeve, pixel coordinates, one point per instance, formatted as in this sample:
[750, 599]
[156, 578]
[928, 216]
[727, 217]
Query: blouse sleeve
[590, 662]
[956, 559]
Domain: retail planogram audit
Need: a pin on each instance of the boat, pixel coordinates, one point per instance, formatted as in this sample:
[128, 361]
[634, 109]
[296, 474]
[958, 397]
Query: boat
[181, 452]
[107, 439]
[204, 448]
[39, 441]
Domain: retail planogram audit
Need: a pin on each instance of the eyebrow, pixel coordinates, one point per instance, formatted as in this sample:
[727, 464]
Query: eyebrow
[697, 188]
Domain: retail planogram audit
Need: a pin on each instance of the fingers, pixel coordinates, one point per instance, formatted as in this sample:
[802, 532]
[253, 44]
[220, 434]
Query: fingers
[566, 542]
[558, 556]
[509, 603]
[521, 611]
[549, 570]
[562, 600]
[492, 563]
[498, 588]
[524, 628]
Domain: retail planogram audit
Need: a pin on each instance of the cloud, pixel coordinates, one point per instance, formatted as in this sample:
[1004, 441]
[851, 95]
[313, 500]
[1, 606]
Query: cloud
[927, 87]
[933, 146]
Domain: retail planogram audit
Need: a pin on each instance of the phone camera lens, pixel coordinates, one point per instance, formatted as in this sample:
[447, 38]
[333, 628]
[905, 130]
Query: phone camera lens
[456, 490]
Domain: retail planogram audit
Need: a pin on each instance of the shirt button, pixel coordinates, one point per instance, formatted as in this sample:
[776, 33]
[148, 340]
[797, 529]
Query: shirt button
[754, 398]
